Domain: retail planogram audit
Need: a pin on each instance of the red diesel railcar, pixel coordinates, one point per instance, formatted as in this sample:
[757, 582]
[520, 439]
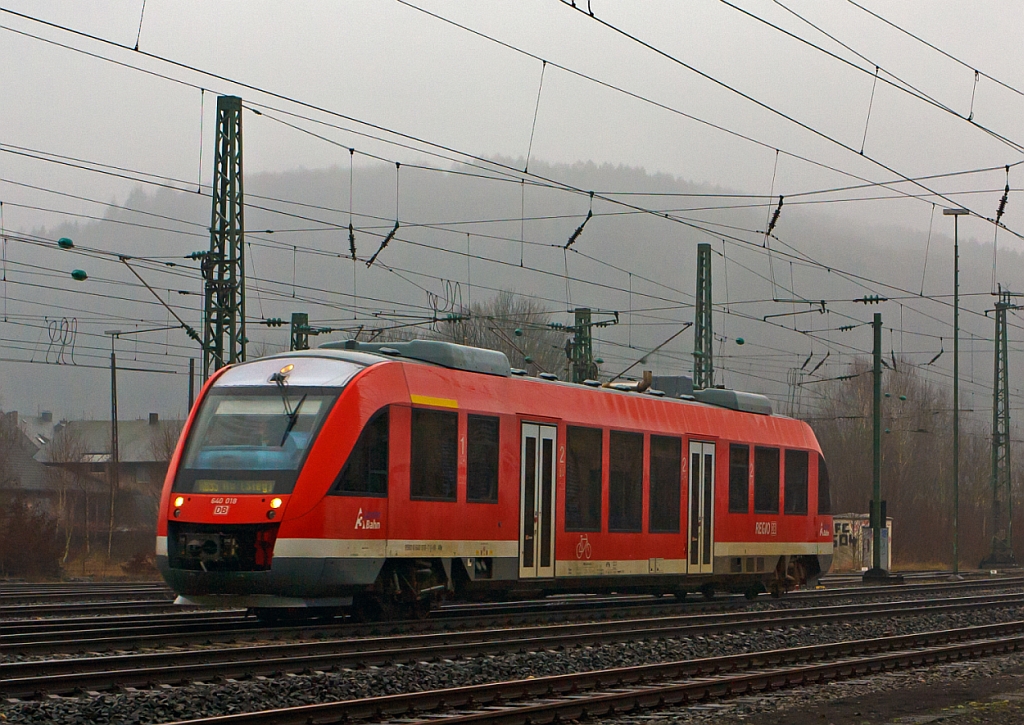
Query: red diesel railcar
[383, 477]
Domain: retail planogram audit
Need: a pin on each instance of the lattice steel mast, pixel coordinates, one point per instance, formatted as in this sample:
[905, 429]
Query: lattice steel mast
[703, 337]
[1001, 554]
[224, 266]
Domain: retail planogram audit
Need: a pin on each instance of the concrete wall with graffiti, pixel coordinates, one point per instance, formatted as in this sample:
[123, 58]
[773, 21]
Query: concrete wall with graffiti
[852, 543]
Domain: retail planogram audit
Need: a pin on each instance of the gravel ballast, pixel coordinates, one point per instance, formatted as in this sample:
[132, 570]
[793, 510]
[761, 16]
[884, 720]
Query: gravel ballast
[165, 704]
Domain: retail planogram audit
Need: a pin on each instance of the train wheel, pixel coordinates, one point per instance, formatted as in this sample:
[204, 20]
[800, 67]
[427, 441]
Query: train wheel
[680, 595]
[753, 591]
[708, 591]
[783, 580]
[268, 615]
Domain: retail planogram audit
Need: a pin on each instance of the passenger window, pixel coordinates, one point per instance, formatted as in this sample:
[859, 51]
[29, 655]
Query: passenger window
[625, 481]
[739, 479]
[482, 459]
[796, 483]
[583, 448]
[824, 493]
[766, 480]
[666, 471]
[365, 473]
[434, 465]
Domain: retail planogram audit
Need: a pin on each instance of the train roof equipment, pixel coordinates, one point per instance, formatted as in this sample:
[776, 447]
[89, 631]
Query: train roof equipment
[446, 354]
[493, 362]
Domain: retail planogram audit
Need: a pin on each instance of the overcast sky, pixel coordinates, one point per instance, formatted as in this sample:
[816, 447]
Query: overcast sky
[388, 64]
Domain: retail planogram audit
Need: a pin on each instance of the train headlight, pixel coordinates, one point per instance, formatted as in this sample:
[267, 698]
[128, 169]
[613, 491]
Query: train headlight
[179, 501]
[275, 503]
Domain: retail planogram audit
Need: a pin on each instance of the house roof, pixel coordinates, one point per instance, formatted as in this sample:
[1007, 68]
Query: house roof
[20, 470]
[138, 441]
[37, 428]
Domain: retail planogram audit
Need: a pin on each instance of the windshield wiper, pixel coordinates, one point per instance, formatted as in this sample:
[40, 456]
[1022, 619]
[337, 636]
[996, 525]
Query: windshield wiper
[293, 418]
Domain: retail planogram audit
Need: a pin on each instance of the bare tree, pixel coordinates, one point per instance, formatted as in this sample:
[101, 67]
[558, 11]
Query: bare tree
[917, 460]
[66, 456]
[164, 443]
[494, 324]
[10, 440]
[262, 348]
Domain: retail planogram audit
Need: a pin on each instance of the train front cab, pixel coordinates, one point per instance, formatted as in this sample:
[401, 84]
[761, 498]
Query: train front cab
[237, 483]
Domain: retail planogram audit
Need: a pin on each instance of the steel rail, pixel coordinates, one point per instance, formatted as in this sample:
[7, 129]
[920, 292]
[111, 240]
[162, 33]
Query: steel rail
[42, 610]
[602, 692]
[78, 634]
[86, 595]
[27, 678]
[111, 622]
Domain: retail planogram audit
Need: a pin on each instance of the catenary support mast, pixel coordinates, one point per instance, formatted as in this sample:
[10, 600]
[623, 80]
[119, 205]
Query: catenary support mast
[1001, 555]
[703, 335]
[224, 267]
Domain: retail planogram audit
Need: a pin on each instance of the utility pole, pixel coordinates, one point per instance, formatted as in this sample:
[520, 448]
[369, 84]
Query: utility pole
[703, 337]
[877, 573]
[224, 266]
[956, 213]
[114, 474]
[1001, 555]
[300, 331]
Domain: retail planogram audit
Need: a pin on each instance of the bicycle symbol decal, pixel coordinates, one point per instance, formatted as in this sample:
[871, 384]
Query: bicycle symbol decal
[583, 548]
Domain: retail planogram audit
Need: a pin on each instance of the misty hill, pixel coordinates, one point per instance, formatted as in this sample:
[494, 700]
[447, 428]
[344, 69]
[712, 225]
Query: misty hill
[462, 239]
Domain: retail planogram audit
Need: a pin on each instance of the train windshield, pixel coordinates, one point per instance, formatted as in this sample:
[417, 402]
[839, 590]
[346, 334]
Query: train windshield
[251, 441]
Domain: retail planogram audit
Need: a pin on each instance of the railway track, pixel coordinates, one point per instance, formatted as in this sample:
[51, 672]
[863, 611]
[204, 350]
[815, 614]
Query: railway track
[91, 673]
[606, 692]
[105, 633]
[69, 610]
[13, 594]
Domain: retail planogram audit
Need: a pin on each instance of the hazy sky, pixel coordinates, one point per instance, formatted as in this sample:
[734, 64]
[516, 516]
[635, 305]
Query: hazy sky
[388, 64]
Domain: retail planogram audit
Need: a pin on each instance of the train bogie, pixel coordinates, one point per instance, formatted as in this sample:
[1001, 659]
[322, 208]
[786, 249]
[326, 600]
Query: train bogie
[380, 479]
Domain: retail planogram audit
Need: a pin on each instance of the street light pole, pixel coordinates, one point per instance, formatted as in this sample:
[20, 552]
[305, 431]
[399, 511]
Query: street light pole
[956, 213]
[113, 476]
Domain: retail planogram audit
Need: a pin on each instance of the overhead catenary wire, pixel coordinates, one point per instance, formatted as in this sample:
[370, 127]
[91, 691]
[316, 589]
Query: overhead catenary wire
[98, 39]
[536, 112]
[771, 109]
[281, 96]
[901, 85]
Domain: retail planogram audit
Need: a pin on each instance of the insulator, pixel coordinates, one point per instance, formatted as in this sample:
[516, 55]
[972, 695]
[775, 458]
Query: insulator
[1002, 202]
[775, 217]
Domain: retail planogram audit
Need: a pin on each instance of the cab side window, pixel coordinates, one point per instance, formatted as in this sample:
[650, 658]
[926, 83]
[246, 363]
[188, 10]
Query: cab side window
[365, 473]
[824, 495]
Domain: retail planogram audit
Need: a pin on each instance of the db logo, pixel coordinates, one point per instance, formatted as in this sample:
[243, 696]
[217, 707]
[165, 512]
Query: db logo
[220, 510]
[370, 521]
